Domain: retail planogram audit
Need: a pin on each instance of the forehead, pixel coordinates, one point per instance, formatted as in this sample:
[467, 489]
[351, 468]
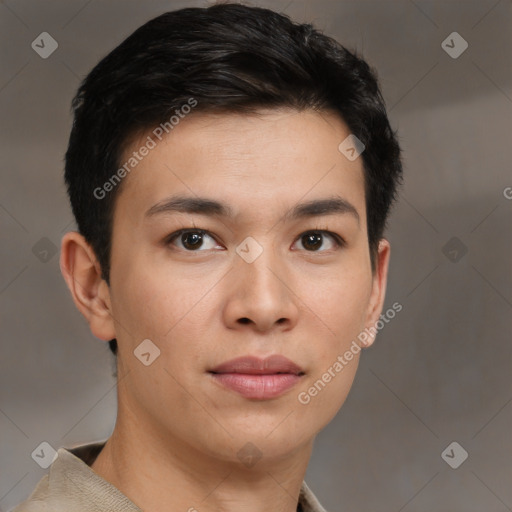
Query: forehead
[253, 164]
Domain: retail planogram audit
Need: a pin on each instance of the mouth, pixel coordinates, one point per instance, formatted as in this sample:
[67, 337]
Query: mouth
[256, 378]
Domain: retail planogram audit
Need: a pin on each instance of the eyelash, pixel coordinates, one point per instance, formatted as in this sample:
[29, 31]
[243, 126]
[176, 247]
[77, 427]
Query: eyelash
[338, 240]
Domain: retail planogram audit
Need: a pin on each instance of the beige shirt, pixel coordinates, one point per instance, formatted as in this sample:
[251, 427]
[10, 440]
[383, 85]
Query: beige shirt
[72, 486]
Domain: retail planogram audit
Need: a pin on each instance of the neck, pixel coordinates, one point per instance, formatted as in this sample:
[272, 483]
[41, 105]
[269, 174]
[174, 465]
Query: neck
[158, 472]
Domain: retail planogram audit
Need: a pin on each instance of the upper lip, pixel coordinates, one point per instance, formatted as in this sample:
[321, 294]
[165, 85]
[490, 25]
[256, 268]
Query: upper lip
[257, 366]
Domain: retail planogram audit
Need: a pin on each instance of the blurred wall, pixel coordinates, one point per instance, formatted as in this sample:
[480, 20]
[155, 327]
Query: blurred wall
[438, 373]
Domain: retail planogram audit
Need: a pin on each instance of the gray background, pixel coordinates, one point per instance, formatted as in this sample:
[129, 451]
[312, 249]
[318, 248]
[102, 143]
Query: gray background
[439, 372]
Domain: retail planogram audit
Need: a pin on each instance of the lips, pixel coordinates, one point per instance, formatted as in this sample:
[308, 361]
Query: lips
[250, 365]
[256, 378]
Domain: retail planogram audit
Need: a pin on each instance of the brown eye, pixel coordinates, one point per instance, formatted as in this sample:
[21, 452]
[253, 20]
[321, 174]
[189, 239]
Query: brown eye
[191, 240]
[314, 240]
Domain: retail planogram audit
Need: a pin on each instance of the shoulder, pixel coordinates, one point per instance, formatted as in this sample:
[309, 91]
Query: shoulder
[37, 501]
[72, 486]
[308, 502]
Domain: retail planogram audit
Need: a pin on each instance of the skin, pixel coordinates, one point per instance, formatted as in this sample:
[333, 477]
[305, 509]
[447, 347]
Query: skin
[178, 431]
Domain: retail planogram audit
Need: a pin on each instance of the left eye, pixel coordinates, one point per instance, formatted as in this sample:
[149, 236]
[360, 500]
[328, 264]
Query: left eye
[315, 239]
[193, 239]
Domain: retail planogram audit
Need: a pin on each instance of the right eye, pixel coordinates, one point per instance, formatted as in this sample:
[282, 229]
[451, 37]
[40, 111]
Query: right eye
[191, 239]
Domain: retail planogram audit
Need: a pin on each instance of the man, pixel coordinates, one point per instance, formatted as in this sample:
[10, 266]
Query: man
[231, 174]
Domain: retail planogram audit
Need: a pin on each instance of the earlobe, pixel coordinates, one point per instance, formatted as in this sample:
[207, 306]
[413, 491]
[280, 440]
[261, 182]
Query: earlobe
[90, 293]
[378, 293]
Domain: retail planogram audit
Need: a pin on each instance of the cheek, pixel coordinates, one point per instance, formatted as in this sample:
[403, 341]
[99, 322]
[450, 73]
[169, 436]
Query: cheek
[164, 310]
[322, 396]
[168, 306]
[339, 307]
[148, 304]
[339, 303]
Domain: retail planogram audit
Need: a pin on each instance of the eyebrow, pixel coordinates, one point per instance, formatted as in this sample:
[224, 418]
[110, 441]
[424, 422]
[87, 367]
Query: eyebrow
[205, 206]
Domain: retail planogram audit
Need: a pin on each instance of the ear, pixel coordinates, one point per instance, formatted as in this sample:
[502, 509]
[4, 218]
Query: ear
[90, 292]
[378, 293]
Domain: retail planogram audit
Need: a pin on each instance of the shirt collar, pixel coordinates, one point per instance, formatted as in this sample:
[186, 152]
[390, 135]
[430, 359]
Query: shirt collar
[71, 478]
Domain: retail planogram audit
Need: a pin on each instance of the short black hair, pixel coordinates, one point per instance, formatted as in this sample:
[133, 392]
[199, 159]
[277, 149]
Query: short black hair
[228, 58]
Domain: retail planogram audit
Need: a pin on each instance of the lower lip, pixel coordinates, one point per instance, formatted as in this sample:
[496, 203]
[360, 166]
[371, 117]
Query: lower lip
[261, 387]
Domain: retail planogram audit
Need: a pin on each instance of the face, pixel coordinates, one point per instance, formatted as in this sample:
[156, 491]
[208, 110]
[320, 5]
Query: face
[267, 271]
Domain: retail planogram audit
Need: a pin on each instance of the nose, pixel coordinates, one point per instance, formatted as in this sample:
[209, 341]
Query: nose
[261, 295]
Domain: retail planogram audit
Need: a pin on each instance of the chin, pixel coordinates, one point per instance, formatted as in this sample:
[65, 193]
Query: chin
[267, 441]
